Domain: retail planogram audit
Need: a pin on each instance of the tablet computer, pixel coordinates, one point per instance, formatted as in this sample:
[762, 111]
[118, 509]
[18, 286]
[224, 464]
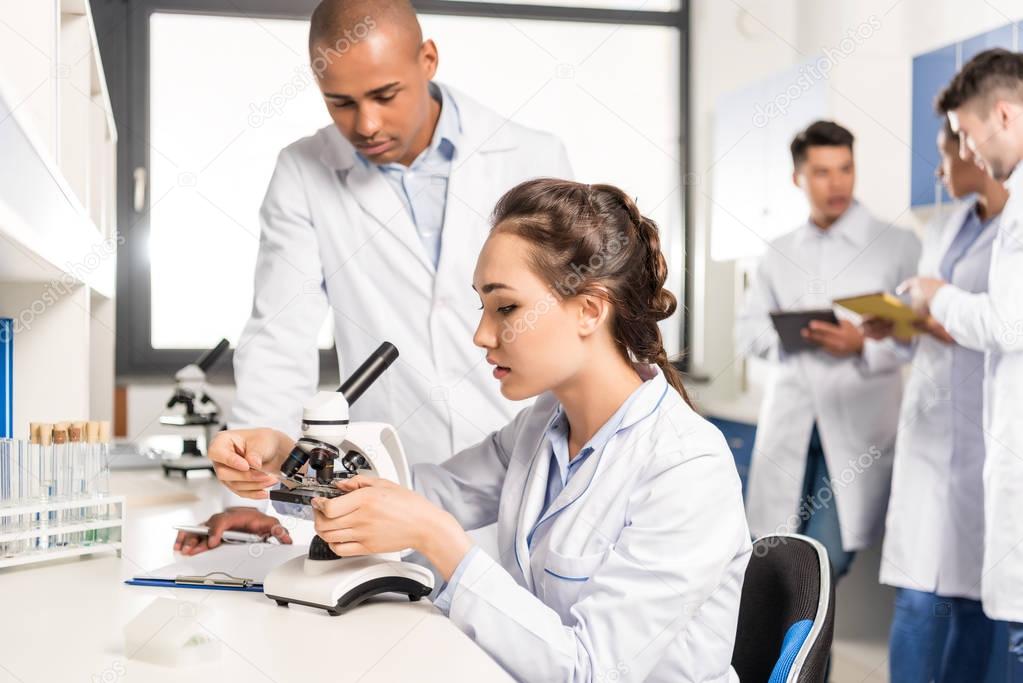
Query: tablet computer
[789, 325]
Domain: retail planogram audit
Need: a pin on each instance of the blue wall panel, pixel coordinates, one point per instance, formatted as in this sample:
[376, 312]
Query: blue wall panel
[999, 37]
[931, 72]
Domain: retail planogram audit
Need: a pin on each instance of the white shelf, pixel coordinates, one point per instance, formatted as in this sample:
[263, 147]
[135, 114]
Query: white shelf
[41, 216]
[47, 555]
[58, 218]
[59, 140]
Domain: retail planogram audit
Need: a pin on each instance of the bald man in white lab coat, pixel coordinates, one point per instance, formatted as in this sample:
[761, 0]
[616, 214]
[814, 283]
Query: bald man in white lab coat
[380, 217]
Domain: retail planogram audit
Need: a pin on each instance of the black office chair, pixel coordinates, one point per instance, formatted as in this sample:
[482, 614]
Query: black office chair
[786, 613]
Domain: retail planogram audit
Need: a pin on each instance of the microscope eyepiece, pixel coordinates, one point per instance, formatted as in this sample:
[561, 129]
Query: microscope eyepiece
[207, 359]
[368, 372]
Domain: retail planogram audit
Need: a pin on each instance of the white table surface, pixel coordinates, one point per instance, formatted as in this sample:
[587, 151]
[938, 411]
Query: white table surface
[64, 620]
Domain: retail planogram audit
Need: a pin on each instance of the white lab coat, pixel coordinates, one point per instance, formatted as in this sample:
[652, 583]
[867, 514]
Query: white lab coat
[993, 322]
[335, 233]
[855, 402]
[643, 567]
[934, 534]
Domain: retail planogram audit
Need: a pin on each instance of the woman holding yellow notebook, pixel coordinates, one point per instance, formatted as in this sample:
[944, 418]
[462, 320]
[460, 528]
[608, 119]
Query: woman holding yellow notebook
[935, 526]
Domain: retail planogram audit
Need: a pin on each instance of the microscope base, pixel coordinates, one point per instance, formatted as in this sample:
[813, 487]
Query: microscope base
[339, 585]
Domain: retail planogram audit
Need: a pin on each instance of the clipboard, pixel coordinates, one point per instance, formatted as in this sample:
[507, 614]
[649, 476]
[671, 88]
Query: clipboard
[227, 567]
[790, 324]
[212, 581]
[886, 306]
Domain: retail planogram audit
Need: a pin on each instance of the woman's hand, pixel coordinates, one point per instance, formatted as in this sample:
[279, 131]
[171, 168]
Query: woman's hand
[876, 328]
[378, 516]
[935, 329]
[242, 457]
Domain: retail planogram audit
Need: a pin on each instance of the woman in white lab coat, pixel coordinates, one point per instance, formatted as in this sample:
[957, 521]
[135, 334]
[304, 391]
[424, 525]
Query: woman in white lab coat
[983, 104]
[623, 541]
[934, 540]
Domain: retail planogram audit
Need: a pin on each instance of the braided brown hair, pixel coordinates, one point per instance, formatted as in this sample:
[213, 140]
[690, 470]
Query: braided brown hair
[593, 240]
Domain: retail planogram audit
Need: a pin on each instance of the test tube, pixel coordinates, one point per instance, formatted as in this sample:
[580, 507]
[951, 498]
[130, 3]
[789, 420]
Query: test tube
[92, 472]
[76, 435]
[28, 489]
[102, 487]
[36, 465]
[14, 490]
[60, 454]
[6, 495]
[103, 479]
[38, 458]
[49, 475]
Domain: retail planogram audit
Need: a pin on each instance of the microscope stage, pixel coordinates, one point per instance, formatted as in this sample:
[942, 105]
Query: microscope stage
[304, 495]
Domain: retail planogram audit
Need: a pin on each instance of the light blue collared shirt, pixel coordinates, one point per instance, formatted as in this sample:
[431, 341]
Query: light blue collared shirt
[969, 231]
[423, 186]
[561, 470]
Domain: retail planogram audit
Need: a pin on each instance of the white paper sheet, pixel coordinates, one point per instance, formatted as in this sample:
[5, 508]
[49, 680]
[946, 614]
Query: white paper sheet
[251, 561]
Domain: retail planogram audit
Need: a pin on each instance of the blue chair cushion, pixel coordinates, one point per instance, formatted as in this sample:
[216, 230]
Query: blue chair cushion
[790, 645]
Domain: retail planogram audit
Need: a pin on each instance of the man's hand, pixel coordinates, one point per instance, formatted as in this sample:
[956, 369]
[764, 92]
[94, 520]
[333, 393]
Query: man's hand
[841, 340]
[921, 292]
[242, 459]
[245, 519]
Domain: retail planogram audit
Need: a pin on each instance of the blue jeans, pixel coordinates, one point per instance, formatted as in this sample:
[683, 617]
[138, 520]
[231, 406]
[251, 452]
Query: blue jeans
[938, 639]
[819, 502]
[1015, 664]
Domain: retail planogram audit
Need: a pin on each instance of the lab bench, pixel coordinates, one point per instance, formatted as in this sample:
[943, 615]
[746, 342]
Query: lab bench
[66, 618]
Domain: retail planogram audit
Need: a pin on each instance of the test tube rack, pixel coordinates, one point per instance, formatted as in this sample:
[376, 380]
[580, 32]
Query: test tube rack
[41, 541]
[55, 499]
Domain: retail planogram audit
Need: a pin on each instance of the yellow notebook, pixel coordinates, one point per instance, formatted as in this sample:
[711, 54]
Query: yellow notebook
[887, 306]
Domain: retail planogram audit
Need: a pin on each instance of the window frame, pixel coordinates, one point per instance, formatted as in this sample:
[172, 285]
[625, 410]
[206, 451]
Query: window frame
[127, 31]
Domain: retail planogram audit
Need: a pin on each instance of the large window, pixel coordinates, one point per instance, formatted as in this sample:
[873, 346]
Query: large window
[220, 92]
[217, 118]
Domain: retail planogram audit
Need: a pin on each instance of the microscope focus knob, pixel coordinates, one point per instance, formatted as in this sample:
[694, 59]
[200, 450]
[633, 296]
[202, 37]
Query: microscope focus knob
[354, 461]
[320, 550]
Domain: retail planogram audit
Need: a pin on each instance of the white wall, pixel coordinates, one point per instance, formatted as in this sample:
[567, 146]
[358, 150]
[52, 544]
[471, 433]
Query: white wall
[738, 43]
[730, 48]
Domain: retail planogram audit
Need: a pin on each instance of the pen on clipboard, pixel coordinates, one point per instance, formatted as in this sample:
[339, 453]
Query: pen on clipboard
[214, 579]
[228, 536]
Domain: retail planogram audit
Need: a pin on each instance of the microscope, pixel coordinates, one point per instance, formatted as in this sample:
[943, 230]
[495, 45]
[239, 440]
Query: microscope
[336, 449]
[193, 407]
